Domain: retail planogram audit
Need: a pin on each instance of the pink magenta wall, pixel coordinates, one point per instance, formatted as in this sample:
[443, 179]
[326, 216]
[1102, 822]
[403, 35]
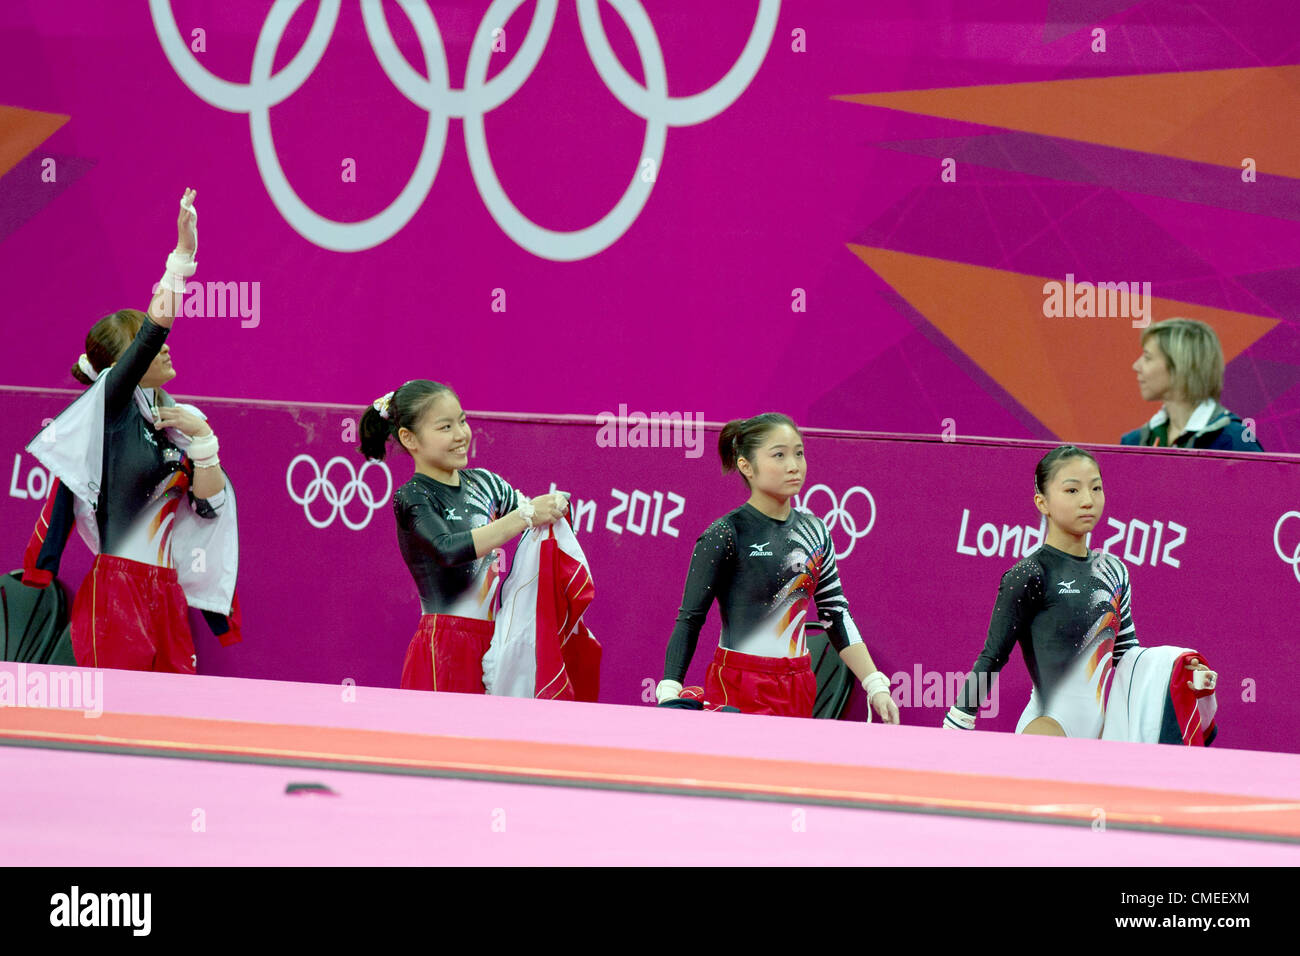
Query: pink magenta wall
[682, 298]
[326, 597]
[753, 178]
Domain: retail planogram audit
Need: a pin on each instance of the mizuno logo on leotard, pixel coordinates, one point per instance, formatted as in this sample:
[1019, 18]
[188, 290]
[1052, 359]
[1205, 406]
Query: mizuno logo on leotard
[452, 516]
[756, 550]
[1067, 588]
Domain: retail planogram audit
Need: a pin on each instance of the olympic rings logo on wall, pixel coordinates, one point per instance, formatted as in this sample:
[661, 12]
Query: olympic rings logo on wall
[338, 498]
[1294, 559]
[478, 97]
[839, 515]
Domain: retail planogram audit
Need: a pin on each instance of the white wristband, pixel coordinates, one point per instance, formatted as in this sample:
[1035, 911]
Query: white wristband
[667, 690]
[180, 266]
[181, 263]
[204, 446]
[206, 462]
[172, 283]
[526, 509]
[874, 683]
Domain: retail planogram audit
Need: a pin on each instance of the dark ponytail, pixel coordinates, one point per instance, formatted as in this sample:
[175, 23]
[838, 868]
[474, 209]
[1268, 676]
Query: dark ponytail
[1049, 463]
[742, 437]
[107, 340]
[405, 408]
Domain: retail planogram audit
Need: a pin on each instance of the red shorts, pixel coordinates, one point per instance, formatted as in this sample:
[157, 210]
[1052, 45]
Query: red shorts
[132, 616]
[782, 686]
[447, 654]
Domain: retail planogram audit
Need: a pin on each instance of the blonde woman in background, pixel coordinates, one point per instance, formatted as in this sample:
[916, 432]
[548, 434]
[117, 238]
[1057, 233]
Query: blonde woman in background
[1181, 365]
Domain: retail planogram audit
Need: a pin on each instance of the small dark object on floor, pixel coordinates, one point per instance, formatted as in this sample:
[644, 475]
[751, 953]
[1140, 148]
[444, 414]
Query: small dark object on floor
[294, 789]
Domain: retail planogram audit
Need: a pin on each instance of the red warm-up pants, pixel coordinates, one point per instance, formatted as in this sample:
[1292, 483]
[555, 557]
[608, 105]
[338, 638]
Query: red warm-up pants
[446, 654]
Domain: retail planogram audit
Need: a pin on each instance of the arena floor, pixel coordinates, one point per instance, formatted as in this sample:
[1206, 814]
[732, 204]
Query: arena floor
[196, 771]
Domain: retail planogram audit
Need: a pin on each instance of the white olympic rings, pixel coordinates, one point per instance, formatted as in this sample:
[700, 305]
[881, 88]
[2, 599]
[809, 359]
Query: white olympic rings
[337, 498]
[1294, 560]
[479, 97]
[839, 514]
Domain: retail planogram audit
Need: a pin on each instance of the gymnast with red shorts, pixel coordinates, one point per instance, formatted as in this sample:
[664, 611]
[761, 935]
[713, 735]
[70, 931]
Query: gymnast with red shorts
[763, 563]
[450, 521]
[139, 476]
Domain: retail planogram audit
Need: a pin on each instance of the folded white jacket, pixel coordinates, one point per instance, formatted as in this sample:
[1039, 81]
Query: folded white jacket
[1150, 701]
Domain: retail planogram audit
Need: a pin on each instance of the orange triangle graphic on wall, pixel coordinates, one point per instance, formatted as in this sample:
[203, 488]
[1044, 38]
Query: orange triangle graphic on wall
[1207, 116]
[21, 131]
[1073, 374]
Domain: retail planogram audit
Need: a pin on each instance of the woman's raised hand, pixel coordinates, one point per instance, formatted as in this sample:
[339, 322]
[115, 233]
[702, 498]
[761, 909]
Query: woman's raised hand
[187, 228]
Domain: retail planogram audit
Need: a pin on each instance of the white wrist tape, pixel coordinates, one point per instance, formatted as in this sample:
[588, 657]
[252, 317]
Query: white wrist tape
[212, 462]
[874, 683]
[526, 509]
[180, 266]
[667, 690]
[172, 283]
[181, 263]
[205, 446]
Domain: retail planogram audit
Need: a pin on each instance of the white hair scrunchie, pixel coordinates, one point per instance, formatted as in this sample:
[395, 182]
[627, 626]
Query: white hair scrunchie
[381, 404]
[83, 363]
